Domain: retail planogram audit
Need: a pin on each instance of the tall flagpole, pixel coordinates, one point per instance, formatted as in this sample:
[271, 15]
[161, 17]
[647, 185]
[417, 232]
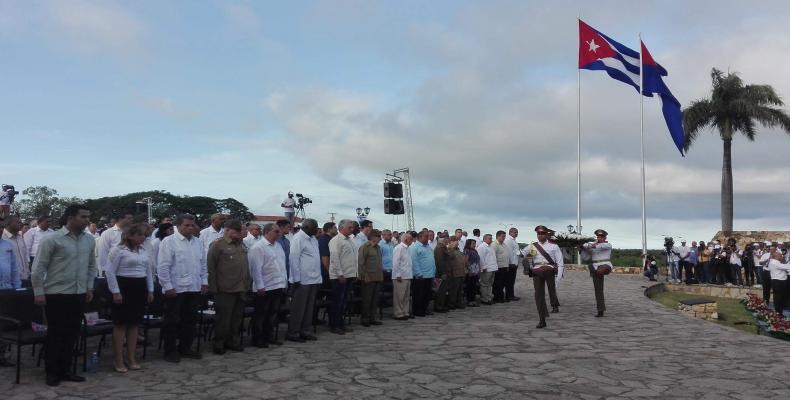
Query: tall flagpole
[642, 143]
[578, 146]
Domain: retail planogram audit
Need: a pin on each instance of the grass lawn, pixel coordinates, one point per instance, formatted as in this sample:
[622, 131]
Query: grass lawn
[731, 312]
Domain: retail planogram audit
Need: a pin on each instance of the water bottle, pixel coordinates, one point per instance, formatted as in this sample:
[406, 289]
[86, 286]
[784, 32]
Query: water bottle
[93, 362]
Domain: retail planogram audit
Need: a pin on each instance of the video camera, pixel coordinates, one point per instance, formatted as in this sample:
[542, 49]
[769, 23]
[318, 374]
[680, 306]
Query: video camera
[302, 200]
[9, 192]
[669, 243]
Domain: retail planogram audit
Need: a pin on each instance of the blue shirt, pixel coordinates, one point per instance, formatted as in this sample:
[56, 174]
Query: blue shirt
[693, 258]
[286, 244]
[422, 261]
[9, 271]
[386, 254]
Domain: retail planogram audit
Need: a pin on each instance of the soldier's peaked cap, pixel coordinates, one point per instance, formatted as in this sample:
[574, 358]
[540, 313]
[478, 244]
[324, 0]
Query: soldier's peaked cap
[601, 232]
[542, 229]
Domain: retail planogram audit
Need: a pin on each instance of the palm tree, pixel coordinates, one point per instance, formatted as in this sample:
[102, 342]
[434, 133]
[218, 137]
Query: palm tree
[733, 107]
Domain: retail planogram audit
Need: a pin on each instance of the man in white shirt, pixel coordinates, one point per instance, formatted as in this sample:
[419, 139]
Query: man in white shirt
[183, 274]
[684, 252]
[305, 277]
[779, 274]
[342, 272]
[289, 211]
[110, 239]
[488, 268]
[213, 231]
[12, 233]
[34, 236]
[364, 230]
[401, 278]
[476, 237]
[269, 280]
[432, 239]
[544, 259]
[513, 252]
[253, 235]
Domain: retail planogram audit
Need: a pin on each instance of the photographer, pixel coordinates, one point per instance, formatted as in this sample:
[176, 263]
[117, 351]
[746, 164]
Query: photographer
[673, 259]
[288, 208]
[6, 199]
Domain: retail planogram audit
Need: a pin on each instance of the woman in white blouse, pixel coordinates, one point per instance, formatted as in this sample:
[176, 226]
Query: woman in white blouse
[131, 281]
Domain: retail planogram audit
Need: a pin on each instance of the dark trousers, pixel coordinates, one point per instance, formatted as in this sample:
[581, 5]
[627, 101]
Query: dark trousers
[266, 308]
[440, 303]
[498, 290]
[598, 287]
[230, 312]
[780, 295]
[766, 285]
[339, 300]
[685, 265]
[455, 295]
[421, 293]
[541, 281]
[735, 274]
[510, 282]
[370, 301]
[748, 272]
[302, 304]
[471, 287]
[64, 318]
[698, 274]
[178, 324]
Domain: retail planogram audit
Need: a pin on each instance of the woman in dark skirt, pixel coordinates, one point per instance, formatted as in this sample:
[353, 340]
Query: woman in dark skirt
[131, 281]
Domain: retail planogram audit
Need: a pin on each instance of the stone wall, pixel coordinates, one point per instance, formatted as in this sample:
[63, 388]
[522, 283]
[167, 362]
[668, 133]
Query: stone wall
[744, 238]
[615, 270]
[706, 311]
[730, 292]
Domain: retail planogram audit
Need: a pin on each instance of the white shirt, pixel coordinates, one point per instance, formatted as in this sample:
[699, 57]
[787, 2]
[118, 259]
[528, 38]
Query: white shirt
[155, 243]
[343, 258]
[267, 265]
[131, 264]
[735, 257]
[250, 240]
[684, 253]
[551, 249]
[778, 270]
[764, 259]
[432, 243]
[108, 240]
[288, 204]
[600, 253]
[181, 264]
[359, 240]
[305, 260]
[20, 252]
[208, 235]
[401, 262]
[513, 250]
[33, 238]
[487, 258]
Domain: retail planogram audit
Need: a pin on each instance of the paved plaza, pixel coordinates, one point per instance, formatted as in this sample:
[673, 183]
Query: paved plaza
[640, 349]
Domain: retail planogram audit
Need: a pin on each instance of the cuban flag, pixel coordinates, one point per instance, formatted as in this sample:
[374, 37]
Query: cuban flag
[670, 106]
[599, 52]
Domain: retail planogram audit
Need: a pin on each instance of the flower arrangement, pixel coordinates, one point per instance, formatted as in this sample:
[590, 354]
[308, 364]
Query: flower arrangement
[776, 323]
[565, 239]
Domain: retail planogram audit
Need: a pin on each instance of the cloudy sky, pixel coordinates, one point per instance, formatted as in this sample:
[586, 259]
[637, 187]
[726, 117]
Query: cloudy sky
[253, 99]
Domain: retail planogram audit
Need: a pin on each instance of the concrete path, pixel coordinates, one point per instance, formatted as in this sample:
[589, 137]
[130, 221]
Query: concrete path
[640, 349]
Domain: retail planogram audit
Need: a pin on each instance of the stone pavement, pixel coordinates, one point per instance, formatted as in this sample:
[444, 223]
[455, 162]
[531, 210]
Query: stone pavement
[640, 349]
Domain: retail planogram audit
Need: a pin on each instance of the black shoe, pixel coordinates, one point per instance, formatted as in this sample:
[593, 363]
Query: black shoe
[515, 298]
[441, 310]
[555, 310]
[72, 378]
[599, 315]
[337, 331]
[429, 313]
[487, 303]
[348, 329]
[419, 315]
[172, 357]
[499, 301]
[218, 351]
[234, 347]
[411, 316]
[366, 324]
[261, 345]
[309, 337]
[507, 300]
[374, 322]
[541, 325]
[52, 380]
[403, 318]
[191, 354]
[275, 342]
[6, 363]
[296, 339]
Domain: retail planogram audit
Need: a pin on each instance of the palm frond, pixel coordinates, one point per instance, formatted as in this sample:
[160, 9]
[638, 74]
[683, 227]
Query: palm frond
[773, 117]
[696, 116]
[762, 95]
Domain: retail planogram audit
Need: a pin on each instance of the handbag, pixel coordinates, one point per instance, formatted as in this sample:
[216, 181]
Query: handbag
[603, 270]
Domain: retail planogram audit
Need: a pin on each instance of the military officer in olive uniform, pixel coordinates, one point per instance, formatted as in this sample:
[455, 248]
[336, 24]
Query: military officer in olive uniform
[229, 281]
[598, 256]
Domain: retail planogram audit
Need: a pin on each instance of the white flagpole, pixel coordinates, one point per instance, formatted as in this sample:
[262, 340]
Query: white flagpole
[642, 143]
[578, 146]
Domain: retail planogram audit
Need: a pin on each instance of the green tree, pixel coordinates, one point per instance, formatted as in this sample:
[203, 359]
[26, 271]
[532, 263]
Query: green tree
[733, 107]
[43, 200]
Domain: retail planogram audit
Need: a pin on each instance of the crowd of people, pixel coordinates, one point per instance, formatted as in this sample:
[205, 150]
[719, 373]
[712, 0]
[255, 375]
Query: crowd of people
[239, 264]
[760, 265]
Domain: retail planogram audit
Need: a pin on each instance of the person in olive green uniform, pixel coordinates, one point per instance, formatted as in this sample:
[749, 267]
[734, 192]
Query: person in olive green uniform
[229, 281]
[442, 256]
[371, 274]
[457, 271]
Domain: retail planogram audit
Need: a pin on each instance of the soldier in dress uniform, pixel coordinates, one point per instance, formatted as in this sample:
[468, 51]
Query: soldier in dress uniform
[542, 261]
[598, 254]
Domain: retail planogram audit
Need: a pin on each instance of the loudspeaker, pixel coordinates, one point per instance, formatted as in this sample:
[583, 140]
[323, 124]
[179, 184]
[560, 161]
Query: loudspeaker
[392, 206]
[393, 190]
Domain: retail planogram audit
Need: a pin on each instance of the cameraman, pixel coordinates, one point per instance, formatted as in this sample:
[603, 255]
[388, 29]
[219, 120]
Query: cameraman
[288, 208]
[6, 199]
[673, 259]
